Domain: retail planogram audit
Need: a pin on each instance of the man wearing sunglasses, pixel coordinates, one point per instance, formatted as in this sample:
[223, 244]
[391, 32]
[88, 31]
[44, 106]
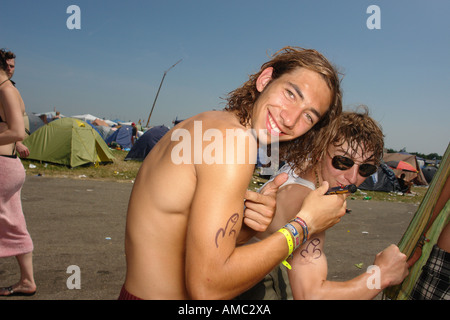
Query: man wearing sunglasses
[353, 154]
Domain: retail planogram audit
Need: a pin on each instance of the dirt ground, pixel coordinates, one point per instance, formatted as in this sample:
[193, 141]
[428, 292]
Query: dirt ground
[82, 222]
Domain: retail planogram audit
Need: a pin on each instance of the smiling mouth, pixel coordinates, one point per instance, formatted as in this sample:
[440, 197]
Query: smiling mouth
[273, 127]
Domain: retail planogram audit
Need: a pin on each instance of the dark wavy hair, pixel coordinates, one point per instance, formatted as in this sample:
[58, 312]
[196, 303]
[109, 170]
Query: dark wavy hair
[312, 145]
[5, 55]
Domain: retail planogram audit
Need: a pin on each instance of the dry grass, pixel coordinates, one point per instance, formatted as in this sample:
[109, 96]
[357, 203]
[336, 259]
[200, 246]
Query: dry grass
[119, 170]
[418, 192]
[126, 171]
[416, 196]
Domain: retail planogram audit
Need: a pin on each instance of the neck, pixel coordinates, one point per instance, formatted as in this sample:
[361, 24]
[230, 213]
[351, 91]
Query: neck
[2, 82]
[311, 176]
[317, 177]
[3, 77]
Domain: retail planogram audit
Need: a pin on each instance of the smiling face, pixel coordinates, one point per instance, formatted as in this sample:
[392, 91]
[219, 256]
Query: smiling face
[291, 105]
[336, 177]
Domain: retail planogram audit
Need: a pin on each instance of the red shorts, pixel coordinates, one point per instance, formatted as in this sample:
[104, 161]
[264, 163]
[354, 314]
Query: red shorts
[125, 295]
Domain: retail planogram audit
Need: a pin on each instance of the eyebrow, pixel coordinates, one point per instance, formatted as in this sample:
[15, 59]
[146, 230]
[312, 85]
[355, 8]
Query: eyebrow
[297, 89]
[316, 113]
[300, 93]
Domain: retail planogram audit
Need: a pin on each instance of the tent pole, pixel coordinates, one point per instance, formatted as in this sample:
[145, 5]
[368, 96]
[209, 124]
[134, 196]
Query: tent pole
[157, 94]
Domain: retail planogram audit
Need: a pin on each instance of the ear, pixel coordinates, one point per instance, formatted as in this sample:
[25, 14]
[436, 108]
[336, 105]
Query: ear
[264, 78]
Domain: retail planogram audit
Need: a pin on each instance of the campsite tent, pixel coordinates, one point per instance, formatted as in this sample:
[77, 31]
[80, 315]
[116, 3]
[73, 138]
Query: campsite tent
[121, 136]
[382, 180]
[95, 120]
[85, 117]
[99, 122]
[34, 122]
[146, 142]
[68, 141]
[418, 178]
[429, 172]
[48, 117]
[104, 131]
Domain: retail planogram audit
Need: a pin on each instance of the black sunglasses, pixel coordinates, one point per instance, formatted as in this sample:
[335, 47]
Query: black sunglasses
[343, 163]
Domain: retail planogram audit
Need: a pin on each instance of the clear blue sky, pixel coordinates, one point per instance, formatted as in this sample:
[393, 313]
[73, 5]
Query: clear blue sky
[113, 65]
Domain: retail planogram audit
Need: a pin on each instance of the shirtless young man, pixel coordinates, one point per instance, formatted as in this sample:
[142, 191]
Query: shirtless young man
[184, 216]
[354, 153]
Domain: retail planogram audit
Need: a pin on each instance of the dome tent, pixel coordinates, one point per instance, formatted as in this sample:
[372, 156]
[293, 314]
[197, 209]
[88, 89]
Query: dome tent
[146, 142]
[68, 141]
[121, 136]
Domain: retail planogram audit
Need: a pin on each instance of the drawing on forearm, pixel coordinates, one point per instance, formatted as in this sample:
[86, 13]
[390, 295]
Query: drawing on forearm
[312, 249]
[223, 231]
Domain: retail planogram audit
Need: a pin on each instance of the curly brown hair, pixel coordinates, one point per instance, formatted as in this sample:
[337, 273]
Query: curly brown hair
[359, 129]
[311, 144]
[5, 55]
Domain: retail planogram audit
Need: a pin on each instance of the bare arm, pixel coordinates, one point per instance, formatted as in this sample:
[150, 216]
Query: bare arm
[215, 267]
[308, 276]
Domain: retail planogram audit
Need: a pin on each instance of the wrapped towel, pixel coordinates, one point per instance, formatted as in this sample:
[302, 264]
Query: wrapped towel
[14, 237]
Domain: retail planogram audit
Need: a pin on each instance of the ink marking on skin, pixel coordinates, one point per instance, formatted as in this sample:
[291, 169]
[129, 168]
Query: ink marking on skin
[316, 252]
[233, 220]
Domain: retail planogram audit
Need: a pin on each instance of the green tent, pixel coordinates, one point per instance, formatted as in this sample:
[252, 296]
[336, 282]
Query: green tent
[68, 141]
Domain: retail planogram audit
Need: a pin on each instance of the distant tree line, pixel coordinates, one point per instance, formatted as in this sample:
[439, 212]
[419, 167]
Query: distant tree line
[431, 156]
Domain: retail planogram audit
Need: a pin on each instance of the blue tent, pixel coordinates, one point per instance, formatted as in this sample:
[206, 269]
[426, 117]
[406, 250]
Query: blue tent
[121, 136]
[35, 122]
[382, 180]
[146, 142]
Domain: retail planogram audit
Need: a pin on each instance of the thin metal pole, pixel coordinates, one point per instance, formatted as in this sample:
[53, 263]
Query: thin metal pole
[157, 94]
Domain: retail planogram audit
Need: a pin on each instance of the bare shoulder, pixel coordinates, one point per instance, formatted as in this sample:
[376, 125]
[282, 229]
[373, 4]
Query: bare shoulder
[292, 196]
[221, 147]
[220, 120]
[9, 89]
[9, 96]
[215, 137]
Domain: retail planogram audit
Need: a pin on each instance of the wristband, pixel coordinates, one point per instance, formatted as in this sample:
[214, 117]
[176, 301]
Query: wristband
[302, 224]
[295, 235]
[290, 243]
[288, 237]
